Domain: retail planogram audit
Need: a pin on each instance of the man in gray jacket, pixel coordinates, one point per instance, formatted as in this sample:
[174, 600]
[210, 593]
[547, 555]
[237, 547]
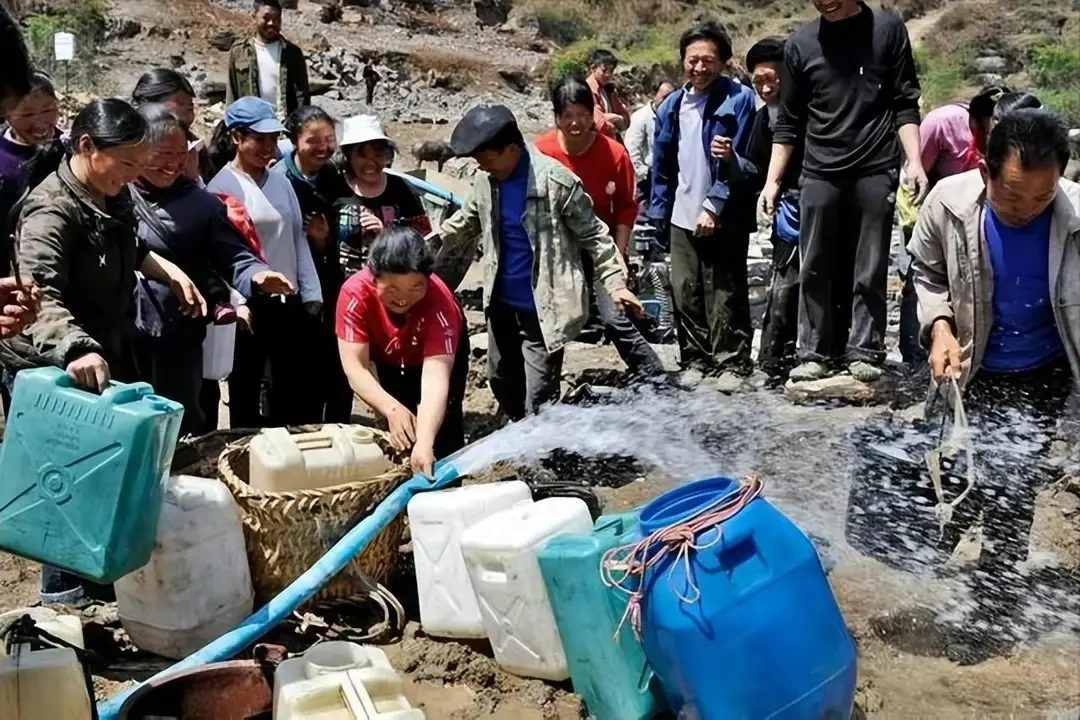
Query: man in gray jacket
[996, 266]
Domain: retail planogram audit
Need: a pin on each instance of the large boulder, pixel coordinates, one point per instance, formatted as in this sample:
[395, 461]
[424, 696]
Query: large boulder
[223, 40]
[843, 388]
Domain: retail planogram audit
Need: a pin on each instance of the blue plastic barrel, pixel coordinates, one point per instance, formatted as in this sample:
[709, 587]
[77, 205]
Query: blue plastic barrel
[765, 637]
[612, 677]
[82, 476]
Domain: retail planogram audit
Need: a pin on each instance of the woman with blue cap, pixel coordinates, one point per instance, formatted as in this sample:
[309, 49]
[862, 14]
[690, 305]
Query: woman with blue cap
[275, 335]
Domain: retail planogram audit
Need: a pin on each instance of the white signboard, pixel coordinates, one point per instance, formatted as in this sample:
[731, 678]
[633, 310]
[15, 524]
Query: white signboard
[64, 45]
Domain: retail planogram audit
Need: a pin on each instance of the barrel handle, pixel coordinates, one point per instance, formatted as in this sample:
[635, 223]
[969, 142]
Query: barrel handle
[735, 531]
[115, 392]
[120, 394]
[312, 441]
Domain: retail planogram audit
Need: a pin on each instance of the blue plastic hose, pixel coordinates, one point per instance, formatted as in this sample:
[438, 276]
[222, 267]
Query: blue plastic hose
[426, 187]
[282, 606]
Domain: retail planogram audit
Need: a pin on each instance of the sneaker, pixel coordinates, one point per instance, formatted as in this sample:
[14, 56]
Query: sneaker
[865, 372]
[808, 371]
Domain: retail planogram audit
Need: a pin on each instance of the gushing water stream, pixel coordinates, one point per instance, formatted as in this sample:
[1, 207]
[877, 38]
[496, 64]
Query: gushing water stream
[861, 496]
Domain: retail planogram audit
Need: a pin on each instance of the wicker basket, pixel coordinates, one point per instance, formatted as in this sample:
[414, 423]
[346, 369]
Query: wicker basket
[287, 532]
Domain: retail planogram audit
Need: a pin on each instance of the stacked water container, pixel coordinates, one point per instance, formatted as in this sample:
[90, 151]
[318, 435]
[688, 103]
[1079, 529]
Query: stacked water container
[491, 563]
[477, 572]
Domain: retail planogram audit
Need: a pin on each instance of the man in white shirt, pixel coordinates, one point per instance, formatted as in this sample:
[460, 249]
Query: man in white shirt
[640, 135]
[268, 66]
[703, 194]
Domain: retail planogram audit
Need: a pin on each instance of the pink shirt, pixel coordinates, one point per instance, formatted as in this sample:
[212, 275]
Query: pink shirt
[944, 138]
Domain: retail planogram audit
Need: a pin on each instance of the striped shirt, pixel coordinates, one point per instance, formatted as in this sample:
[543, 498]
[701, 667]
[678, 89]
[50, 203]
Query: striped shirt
[430, 328]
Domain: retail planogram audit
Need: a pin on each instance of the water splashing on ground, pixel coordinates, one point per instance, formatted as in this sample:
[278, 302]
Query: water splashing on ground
[872, 494]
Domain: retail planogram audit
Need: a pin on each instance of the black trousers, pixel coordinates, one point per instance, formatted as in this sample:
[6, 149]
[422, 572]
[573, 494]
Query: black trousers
[639, 356]
[780, 326]
[404, 383]
[911, 348]
[278, 347]
[210, 403]
[175, 368]
[1014, 418]
[844, 240]
[712, 302]
[523, 374]
[333, 398]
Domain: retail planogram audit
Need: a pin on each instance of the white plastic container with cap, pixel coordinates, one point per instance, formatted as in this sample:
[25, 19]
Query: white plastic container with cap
[500, 554]
[340, 681]
[437, 521]
[43, 684]
[197, 585]
[334, 455]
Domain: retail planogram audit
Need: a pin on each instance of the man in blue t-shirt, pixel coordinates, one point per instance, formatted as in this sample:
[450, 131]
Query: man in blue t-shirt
[534, 222]
[996, 267]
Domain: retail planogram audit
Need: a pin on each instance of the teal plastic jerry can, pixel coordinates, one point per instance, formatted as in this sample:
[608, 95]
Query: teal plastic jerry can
[612, 677]
[82, 476]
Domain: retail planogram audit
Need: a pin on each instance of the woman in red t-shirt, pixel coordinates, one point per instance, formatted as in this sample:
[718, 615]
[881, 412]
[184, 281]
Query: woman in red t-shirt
[603, 164]
[395, 317]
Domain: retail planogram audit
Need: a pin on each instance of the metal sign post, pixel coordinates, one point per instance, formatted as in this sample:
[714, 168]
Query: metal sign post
[64, 50]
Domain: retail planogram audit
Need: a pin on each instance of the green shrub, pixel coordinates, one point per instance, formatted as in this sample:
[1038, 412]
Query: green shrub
[1065, 103]
[85, 20]
[1056, 67]
[572, 59]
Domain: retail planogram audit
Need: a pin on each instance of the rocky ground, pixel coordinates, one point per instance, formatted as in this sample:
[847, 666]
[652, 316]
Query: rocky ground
[805, 455]
[436, 60]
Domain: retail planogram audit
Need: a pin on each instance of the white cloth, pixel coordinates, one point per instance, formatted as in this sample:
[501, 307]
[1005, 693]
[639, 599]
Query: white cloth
[278, 220]
[269, 58]
[219, 347]
[639, 139]
[694, 176]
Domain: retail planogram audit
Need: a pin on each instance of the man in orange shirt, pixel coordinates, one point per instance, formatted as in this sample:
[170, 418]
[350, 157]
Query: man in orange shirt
[611, 114]
[607, 174]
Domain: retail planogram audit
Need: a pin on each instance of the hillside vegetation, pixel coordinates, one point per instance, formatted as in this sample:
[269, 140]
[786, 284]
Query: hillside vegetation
[1039, 40]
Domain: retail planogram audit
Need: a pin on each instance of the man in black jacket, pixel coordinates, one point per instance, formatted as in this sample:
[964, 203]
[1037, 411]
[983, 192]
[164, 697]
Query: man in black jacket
[849, 89]
[780, 325]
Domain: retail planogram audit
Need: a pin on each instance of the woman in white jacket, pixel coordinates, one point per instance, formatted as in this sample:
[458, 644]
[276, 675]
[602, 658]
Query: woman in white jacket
[280, 328]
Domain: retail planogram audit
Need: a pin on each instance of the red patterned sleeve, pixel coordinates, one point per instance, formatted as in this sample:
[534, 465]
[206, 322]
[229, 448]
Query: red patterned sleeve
[442, 328]
[349, 321]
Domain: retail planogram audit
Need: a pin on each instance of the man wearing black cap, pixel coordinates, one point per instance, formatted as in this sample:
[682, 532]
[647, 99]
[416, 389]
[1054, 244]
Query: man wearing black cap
[849, 89]
[534, 220]
[780, 326]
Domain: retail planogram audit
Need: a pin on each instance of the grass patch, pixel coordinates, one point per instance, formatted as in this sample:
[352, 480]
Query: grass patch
[1065, 104]
[941, 83]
